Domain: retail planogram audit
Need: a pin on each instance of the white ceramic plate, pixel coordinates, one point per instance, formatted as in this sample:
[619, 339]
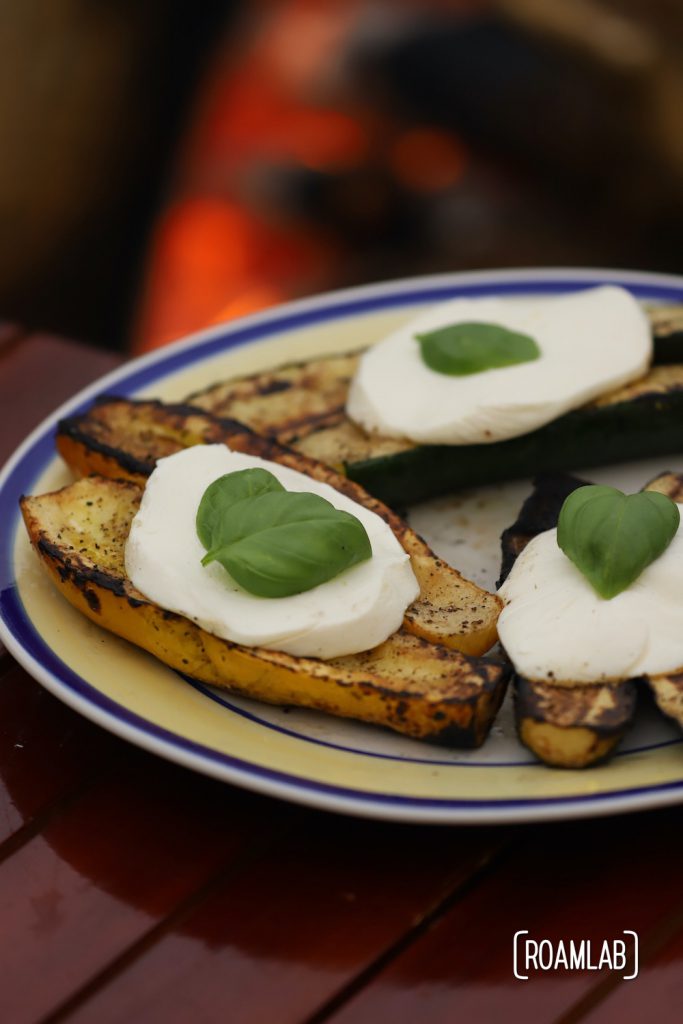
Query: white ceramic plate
[295, 754]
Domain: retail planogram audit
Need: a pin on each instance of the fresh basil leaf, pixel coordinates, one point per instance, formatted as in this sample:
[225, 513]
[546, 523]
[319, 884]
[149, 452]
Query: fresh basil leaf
[570, 520]
[612, 537]
[462, 349]
[280, 543]
[225, 492]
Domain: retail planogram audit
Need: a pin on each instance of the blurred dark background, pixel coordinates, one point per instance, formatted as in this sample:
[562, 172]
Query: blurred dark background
[167, 164]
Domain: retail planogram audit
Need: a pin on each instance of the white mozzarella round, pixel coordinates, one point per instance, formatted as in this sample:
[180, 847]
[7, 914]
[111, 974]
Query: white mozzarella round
[590, 341]
[554, 626]
[353, 612]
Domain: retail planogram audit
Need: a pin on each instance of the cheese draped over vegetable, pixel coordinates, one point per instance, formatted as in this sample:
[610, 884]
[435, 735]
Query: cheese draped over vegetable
[355, 611]
[555, 626]
[590, 342]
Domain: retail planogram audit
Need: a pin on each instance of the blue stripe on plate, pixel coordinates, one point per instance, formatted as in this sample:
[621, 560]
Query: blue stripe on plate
[530, 762]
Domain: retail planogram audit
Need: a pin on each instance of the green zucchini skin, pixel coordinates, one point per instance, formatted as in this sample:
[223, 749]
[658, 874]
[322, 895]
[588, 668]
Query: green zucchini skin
[668, 350]
[651, 424]
[667, 335]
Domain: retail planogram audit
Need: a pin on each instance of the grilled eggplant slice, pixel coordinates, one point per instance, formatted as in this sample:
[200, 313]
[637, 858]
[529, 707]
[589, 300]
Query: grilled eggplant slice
[577, 726]
[303, 405]
[423, 690]
[572, 727]
[123, 439]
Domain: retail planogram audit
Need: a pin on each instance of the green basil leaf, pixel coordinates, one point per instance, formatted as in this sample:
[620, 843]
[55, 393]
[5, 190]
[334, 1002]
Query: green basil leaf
[570, 522]
[612, 537]
[280, 543]
[462, 349]
[225, 492]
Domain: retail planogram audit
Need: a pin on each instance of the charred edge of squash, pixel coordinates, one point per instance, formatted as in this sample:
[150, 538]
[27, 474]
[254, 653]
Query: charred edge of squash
[467, 717]
[84, 577]
[72, 441]
[485, 706]
[559, 724]
[180, 409]
[74, 429]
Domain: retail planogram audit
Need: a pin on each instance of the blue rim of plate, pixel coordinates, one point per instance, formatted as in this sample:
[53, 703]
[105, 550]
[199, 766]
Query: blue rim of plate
[33, 456]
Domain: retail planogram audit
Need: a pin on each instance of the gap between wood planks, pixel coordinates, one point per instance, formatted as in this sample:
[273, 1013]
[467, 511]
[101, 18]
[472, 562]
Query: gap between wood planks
[54, 808]
[419, 928]
[179, 913]
[655, 941]
[295, 817]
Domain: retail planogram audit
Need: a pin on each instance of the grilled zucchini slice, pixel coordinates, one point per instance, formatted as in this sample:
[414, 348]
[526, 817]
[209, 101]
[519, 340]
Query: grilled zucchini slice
[123, 439]
[423, 690]
[303, 405]
[577, 726]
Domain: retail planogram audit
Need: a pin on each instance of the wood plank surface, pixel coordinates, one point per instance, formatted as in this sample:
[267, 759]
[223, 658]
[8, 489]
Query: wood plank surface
[47, 752]
[37, 373]
[577, 881]
[297, 925]
[657, 995]
[9, 333]
[109, 868]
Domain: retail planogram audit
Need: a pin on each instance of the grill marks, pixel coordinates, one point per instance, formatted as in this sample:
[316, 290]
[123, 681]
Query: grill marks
[288, 403]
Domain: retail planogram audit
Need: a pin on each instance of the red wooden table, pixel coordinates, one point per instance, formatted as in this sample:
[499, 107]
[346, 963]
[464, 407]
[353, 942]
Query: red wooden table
[133, 890]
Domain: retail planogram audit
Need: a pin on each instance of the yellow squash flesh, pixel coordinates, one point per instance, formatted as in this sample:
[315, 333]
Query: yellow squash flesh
[423, 690]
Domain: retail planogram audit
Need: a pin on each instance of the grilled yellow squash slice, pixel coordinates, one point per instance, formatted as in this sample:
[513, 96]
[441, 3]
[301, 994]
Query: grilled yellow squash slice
[123, 439]
[577, 726]
[421, 689]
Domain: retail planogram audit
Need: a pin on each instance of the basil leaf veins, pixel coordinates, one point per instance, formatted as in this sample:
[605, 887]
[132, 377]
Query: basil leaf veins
[274, 542]
[612, 537]
[462, 349]
[226, 491]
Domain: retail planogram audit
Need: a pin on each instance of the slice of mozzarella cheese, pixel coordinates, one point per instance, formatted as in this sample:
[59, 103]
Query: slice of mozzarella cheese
[554, 626]
[353, 612]
[590, 341]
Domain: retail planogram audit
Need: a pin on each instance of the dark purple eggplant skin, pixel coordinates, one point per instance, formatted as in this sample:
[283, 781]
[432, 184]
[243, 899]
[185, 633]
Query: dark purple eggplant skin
[539, 513]
[541, 702]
